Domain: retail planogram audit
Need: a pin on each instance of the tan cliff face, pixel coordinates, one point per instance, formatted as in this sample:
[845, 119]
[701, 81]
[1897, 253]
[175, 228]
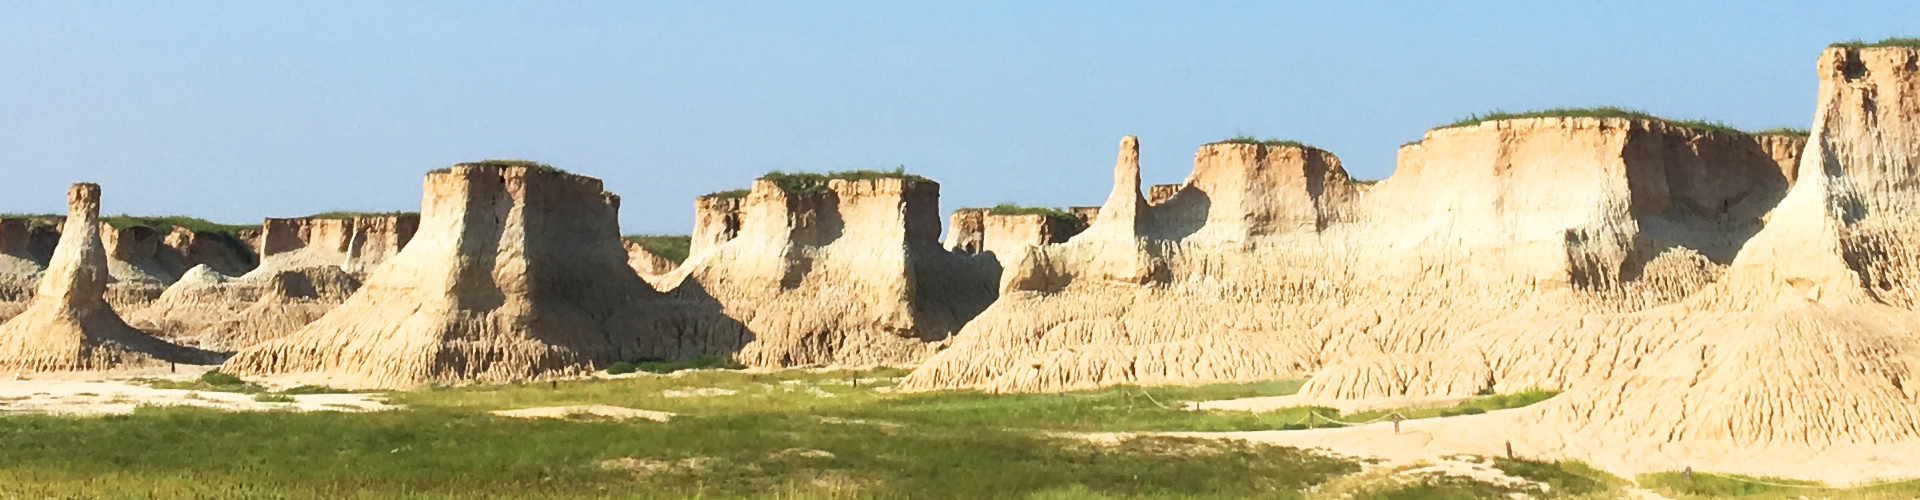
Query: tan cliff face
[645, 262]
[1242, 191]
[852, 273]
[1012, 234]
[308, 266]
[26, 245]
[515, 273]
[68, 326]
[357, 244]
[716, 220]
[966, 230]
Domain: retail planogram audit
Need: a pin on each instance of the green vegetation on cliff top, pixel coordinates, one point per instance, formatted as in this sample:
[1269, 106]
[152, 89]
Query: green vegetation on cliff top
[1609, 112]
[1248, 139]
[814, 182]
[1884, 42]
[1015, 209]
[505, 163]
[351, 215]
[673, 247]
[1597, 112]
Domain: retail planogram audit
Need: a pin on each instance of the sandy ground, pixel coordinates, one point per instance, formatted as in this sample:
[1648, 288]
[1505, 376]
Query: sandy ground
[1432, 440]
[1271, 403]
[601, 411]
[114, 393]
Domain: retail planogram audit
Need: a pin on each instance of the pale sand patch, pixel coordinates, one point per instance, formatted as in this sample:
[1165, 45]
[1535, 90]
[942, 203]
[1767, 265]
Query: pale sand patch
[698, 393]
[1433, 439]
[606, 411]
[1271, 403]
[119, 397]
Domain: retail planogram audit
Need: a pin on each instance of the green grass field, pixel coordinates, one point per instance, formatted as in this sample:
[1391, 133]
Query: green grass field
[738, 434]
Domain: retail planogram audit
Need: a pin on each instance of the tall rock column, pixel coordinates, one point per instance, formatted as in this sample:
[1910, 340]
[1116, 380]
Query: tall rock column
[69, 326]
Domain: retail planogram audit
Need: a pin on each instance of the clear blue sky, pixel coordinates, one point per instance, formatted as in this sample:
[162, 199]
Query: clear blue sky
[235, 111]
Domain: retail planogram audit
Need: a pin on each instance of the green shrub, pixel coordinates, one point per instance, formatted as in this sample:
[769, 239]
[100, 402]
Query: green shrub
[673, 247]
[731, 193]
[697, 362]
[218, 378]
[622, 368]
[268, 397]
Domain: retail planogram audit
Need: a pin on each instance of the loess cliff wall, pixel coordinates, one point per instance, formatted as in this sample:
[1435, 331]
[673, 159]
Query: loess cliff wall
[852, 273]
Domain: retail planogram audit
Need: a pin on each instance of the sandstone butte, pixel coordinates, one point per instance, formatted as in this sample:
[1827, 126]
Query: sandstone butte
[852, 273]
[68, 324]
[515, 273]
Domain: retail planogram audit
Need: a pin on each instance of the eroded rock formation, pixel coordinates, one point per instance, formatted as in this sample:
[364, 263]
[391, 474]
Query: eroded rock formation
[308, 265]
[515, 273]
[850, 272]
[1269, 262]
[1677, 284]
[68, 325]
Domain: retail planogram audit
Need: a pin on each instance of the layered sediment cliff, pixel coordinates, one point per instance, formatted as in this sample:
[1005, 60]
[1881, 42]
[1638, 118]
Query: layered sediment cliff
[517, 272]
[1295, 269]
[841, 272]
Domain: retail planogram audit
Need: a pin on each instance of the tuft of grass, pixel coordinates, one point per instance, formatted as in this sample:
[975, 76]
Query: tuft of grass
[1706, 485]
[1248, 139]
[1563, 477]
[731, 193]
[1884, 42]
[1786, 131]
[673, 247]
[1595, 112]
[504, 163]
[1364, 182]
[270, 397]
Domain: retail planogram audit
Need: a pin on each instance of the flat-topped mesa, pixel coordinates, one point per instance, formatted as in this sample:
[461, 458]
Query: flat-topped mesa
[831, 270]
[69, 326]
[356, 243]
[716, 220]
[967, 230]
[1007, 232]
[1578, 201]
[1244, 190]
[516, 272]
[1012, 234]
